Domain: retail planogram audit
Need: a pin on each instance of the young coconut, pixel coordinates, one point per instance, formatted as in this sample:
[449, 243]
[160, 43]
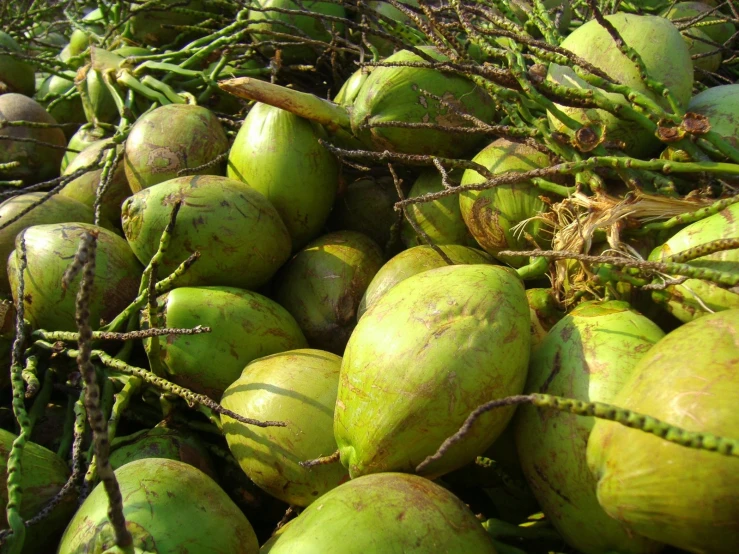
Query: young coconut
[169, 507]
[720, 30]
[49, 251]
[679, 496]
[15, 75]
[284, 27]
[37, 162]
[389, 512]
[298, 387]
[413, 261]
[170, 139]
[699, 38]
[241, 238]
[720, 105]
[400, 94]
[85, 187]
[665, 55]
[57, 209]
[425, 355]
[244, 326]
[43, 474]
[440, 219]
[587, 356]
[349, 90]
[63, 110]
[494, 216]
[367, 206]
[696, 297]
[323, 285]
[405, 94]
[84, 137]
[160, 25]
[162, 441]
[278, 154]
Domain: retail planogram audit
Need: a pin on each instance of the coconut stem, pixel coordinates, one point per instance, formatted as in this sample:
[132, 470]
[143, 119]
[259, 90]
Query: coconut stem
[322, 461]
[725, 278]
[328, 114]
[689, 217]
[86, 254]
[14, 467]
[677, 435]
[699, 251]
[162, 384]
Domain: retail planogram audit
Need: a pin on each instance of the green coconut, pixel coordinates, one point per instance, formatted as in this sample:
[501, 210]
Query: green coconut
[298, 387]
[398, 94]
[367, 206]
[84, 188]
[278, 154]
[171, 139]
[665, 55]
[587, 356]
[720, 105]
[151, 27]
[37, 163]
[241, 239]
[57, 209]
[84, 137]
[15, 74]
[244, 326]
[389, 512]
[719, 30]
[68, 110]
[162, 441]
[695, 297]
[423, 357]
[699, 38]
[349, 90]
[679, 496]
[324, 283]
[413, 261]
[440, 219]
[496, 216]
[545, 313]
[169, 507]
[49, 251]
[80, 39]
[297, 26]
[43, 474]
[97, 101]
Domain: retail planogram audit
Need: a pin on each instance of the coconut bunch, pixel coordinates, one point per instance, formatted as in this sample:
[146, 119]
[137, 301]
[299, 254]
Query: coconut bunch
[399, 276]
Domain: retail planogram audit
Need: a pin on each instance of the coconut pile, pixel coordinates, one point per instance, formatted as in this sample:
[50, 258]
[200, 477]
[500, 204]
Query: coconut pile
[369, 277]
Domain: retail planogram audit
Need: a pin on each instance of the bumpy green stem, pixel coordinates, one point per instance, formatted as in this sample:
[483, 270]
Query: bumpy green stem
[671, 433]
[684, 219]
[160, 383]
[30, 376]
[14, 467]
[42, 399]
[165, 285]
[122, 400]
[705, 249]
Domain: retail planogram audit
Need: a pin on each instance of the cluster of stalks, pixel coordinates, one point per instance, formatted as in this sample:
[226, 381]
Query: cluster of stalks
[605, 192]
